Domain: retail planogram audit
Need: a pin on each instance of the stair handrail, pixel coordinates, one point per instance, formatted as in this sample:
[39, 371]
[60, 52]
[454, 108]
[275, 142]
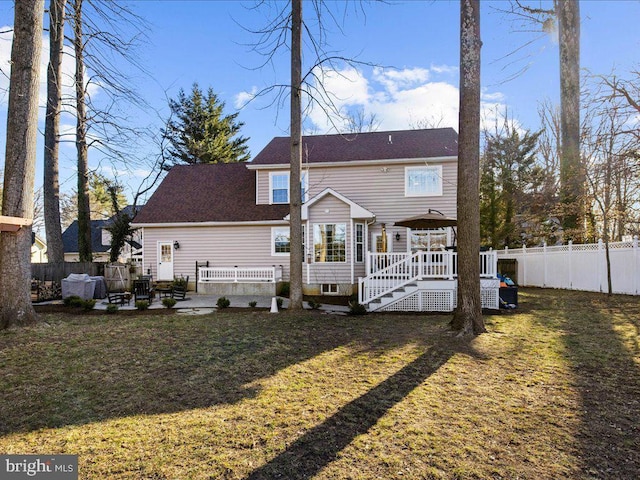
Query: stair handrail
[401, 269]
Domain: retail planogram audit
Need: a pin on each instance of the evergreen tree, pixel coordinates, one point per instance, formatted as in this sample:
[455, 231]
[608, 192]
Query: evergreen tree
[510, 184]
[199, 132]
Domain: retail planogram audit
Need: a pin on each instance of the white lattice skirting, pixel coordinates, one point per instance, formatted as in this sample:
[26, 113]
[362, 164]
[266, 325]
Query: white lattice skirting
[444, 300]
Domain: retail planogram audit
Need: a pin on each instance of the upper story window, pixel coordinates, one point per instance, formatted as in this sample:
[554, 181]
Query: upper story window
[423, 181]
[279, 187]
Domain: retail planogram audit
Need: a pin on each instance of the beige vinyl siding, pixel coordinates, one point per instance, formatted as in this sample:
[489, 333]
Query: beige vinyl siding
[330, 210]
[378, 188]
[222, 246]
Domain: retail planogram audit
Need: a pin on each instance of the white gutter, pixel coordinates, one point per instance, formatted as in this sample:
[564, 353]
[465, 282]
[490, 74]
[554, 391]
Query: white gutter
[209, 224]
[286, 166]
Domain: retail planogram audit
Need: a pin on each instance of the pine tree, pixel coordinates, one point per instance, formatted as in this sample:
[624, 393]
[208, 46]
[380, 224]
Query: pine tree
[510, 183]
[199, 132]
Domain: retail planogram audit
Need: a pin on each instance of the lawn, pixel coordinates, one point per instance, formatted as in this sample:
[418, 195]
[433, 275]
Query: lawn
[552, 391]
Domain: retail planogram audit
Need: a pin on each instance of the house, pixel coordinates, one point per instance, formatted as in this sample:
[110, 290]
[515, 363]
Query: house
[355, 187]
[101, 240]
[38, 249]
[70, 242]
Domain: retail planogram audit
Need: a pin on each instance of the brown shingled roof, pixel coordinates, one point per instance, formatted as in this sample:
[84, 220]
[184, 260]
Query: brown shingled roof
[438, 142]
[208, 193]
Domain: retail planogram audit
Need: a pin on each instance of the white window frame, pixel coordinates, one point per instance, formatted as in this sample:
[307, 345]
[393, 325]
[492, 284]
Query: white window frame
[275, 231]
[356, 242]
[344, 226]
[429, 233]
[272, 175]
[304, 186]
[435, 170]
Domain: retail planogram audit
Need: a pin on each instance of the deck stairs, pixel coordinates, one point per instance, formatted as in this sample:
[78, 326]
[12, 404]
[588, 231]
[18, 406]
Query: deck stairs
[422, 281]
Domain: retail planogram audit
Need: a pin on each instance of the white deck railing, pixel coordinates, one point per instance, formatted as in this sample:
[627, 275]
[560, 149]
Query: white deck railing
[389, 271]
[240, 274]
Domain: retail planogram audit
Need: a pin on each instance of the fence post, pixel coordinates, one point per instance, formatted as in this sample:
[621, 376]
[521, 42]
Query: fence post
[570, 264]
[524, 264]
[598, 261]
[544, 264]
[636, 269]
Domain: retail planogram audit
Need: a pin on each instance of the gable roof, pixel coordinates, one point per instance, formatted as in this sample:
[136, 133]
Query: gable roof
[355, 210]
[70, 237]
[223, 192]
[389, 145]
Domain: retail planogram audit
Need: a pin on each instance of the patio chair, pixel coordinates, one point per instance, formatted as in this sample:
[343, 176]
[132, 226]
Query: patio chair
[179, 292]
[119, 298]
[142, 291]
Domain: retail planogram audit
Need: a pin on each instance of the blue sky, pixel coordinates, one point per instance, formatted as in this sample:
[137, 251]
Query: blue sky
[414, 43]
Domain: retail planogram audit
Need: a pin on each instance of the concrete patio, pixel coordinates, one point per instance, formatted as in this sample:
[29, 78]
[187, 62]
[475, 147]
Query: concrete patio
[202, 303]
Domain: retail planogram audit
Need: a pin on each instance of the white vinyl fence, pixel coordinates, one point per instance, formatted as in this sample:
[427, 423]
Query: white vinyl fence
[579, 267]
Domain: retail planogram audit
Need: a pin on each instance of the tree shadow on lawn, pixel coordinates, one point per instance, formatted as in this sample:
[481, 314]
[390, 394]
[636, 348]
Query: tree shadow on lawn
[320, 446]
[87, 369]
[601, 340]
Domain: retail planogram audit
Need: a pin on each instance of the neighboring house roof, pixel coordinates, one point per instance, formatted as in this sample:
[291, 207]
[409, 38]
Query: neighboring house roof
[390, 145]
[128, 210]
[70, 237]
[224, 192]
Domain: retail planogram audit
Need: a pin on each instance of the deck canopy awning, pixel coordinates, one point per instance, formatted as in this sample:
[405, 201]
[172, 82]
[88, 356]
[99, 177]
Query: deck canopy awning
[13, 224]
[431, 219]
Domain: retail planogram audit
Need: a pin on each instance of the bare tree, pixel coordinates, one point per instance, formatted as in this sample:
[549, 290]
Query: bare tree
[20, 158]
[358, 122]
[467, 318]
[571, 169]
[103, 124]
[51, 183]
[612, 160]
[84, 209]
[301, 87]
[295, 195]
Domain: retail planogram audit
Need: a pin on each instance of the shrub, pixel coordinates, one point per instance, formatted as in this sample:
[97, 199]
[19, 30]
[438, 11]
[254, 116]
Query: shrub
[180, 282]
[279, 302]
[89, 304]
[169, 302]
[73, 301]
[142, 305]
[313, 304]
[356, 308]
[285, 289]
[112, 308]
[223, 302]
[253, 304]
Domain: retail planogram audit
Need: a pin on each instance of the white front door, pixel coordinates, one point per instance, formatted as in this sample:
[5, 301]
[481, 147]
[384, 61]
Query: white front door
[165, 261]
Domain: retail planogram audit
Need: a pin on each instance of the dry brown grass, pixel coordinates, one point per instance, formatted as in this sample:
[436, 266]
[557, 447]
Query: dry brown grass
[552, 391]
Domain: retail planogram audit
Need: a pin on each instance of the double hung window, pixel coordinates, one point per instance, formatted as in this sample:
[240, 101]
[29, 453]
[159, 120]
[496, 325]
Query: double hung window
[279, 187]
[424, 181]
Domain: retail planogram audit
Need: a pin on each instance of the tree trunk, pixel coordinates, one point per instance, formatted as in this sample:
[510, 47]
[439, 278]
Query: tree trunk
[295, 193]
[84, 209]
[20, 160]
[467, 318]
[571, 172]
[51, 184]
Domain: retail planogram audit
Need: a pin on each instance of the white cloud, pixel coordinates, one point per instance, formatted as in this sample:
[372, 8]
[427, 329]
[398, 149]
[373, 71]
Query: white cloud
[400, 79]
[399, 99]
[243, 98]
[443, 69]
